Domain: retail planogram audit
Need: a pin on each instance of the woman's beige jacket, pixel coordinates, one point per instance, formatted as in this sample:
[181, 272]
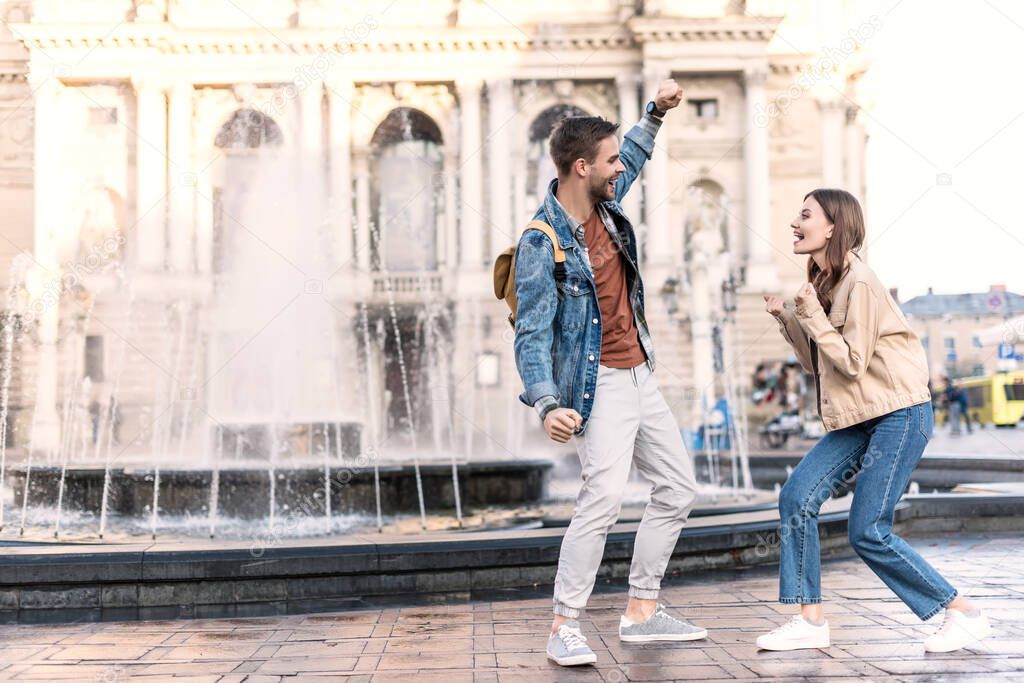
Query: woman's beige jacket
[868, 361]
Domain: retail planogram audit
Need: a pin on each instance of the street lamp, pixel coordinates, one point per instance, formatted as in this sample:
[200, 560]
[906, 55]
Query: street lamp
[670, 295]
[729, 286]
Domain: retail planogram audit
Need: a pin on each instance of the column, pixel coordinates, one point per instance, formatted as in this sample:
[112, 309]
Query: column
[656, 196]
[761, 272]
[451, 203]
[205, 158]
[181, 224]
[499, 129]
[519, 172]
[833, 116]
[310, 150]
[311, 126]
[339, 95]
[702, 345]
[204, 220]
[470, 170]
[629, 114]
[288, 115]
[151, 172]
[854, 176]
[362, 171]
[43, 279]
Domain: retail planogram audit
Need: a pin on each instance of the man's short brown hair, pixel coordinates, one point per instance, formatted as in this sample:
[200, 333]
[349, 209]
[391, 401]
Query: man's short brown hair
[578, 137]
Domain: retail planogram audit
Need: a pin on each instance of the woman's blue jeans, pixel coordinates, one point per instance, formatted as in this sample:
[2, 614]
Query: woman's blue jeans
[882, 452]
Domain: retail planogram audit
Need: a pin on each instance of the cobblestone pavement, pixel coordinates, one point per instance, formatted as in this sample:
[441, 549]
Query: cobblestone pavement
[874, 635]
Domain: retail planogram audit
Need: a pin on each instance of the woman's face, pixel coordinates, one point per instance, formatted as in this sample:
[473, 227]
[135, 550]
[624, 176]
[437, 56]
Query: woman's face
[811, 228]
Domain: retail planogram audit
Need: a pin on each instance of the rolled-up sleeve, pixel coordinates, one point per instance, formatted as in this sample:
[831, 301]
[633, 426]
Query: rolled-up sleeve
[637, 147]
[797, 338]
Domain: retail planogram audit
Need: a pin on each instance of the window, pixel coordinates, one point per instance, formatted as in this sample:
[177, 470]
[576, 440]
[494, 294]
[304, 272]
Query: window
[976, 342]
[1014, 392]
[979, 396]
[406, 191]
[949, 343]
[94, 358]
[540, 169]
[704, 110]
[488, 369]
[102, 116]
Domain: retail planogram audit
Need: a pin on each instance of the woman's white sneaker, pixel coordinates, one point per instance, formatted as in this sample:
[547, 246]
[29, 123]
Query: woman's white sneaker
[795, 634]
[958, 630]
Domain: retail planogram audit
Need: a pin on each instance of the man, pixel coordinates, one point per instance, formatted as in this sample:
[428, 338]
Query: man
[956, 406]
[585, 356]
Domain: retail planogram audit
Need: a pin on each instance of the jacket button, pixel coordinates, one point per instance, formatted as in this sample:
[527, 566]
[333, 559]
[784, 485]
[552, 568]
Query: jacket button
[591, 356]
[594, 321]
[575, 288]
[586, 395]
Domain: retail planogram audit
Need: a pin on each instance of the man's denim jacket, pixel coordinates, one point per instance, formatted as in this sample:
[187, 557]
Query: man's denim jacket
[558, 322]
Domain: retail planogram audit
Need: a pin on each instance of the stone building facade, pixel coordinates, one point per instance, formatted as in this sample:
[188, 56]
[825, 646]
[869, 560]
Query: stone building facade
[423, 126]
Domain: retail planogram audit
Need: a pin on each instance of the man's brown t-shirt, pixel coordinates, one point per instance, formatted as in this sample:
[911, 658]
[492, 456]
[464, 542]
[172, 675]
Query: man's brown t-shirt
[620, 343]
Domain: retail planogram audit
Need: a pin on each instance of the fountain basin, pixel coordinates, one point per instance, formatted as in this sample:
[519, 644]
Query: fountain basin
[84, 581]
[244, 492]
[254, 441]
[934, 471]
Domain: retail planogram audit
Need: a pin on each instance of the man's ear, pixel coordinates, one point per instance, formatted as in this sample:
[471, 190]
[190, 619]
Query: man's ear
[580, 167]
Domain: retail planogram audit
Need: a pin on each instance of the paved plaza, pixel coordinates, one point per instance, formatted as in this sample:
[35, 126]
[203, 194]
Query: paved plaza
[501, 638]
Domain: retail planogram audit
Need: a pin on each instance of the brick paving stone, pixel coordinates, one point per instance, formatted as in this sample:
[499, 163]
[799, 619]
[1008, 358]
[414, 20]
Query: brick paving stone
[327, 648]
[186, 668]
[874, 635]
[222, 637]
[100, 652]
[55, 672]
[428, 644]
[289, 665]
[186, 653]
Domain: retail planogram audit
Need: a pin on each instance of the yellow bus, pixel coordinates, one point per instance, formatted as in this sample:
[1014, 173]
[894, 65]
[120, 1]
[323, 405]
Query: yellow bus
[994, 399]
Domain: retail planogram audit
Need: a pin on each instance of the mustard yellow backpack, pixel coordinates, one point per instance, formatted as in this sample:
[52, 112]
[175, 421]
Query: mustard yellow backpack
[505, 269]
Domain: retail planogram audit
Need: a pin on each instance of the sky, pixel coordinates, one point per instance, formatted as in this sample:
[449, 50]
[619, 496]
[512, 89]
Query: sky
[945, 119]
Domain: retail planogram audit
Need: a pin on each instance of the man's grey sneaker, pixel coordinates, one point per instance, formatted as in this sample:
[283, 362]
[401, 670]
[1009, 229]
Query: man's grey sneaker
[660, 626]
[568, 646]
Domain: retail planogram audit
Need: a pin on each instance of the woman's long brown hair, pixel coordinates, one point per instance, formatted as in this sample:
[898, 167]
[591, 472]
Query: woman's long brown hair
[843, 211]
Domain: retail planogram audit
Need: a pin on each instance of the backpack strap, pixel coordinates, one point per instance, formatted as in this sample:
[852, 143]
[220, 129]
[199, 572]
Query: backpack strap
[559, 252]
[550, 232]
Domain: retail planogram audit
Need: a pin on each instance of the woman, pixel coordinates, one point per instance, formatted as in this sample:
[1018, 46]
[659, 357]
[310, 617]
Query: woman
[874, 401]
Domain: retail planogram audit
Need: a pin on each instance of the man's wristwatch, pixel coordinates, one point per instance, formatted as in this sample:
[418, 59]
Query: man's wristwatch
[653, 110]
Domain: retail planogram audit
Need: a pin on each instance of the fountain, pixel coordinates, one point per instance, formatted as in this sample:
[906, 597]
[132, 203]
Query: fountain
[262, 405]
[288, 395]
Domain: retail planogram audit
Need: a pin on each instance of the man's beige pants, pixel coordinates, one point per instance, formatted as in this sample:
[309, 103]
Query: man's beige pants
[630, 422]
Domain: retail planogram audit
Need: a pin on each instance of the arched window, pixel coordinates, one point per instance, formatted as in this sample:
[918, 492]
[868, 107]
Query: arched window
[243, 138]
[540, 170]
[248, 129]
[406, 197]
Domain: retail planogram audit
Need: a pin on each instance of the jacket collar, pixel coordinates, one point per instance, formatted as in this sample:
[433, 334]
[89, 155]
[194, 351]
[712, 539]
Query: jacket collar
[555, 216]
[841, 295]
